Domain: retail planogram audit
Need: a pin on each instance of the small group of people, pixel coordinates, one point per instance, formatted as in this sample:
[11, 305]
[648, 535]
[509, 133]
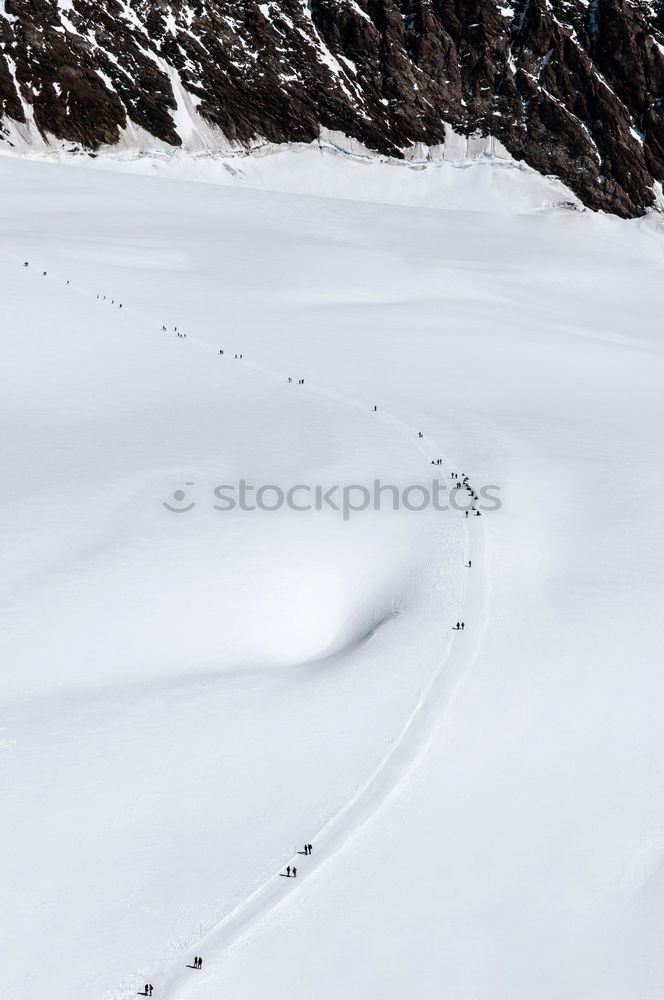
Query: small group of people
[300, 381]
[45, 274]
[291, 870]
[178, 333]
[103, 298]
[198, 962]
[148, 990]
[462, 483]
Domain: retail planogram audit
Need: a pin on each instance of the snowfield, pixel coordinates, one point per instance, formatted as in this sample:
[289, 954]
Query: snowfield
[190, 695]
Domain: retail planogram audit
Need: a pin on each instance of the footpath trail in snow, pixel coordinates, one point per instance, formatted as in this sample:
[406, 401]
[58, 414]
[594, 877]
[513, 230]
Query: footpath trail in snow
[407, 747]
[190, 697]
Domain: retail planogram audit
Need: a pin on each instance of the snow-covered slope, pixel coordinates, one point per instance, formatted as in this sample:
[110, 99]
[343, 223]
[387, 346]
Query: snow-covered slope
[188, 697]
[475, 174]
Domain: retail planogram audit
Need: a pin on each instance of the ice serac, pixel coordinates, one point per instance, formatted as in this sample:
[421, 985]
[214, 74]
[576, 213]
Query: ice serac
[574, 88]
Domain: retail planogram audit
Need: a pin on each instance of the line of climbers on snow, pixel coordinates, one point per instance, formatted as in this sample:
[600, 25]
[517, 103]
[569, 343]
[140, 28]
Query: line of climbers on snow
[461, 483]
[291, 872]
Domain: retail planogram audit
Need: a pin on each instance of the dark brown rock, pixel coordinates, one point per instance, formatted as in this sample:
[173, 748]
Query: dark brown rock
[574, 90]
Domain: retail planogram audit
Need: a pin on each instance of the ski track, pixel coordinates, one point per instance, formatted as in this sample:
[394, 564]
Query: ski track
[407, 748]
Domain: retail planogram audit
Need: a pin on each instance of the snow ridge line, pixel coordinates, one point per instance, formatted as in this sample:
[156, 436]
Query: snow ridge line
[407, 749]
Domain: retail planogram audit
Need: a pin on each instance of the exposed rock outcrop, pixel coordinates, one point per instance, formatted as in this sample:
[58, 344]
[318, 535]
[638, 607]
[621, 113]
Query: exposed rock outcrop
[573, 88]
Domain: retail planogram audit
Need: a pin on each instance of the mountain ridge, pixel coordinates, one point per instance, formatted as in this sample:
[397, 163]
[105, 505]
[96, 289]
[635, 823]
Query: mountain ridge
[574, 89]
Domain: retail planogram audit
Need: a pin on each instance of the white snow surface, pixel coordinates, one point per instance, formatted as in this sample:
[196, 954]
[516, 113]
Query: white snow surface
[469, 172]
[188, 697]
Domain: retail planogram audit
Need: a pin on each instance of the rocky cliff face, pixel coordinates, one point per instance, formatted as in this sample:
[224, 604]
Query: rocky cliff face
[574, 88]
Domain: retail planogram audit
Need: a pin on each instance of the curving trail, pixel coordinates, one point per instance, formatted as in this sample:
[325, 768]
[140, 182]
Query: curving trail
[407, 748]
[394, 771]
